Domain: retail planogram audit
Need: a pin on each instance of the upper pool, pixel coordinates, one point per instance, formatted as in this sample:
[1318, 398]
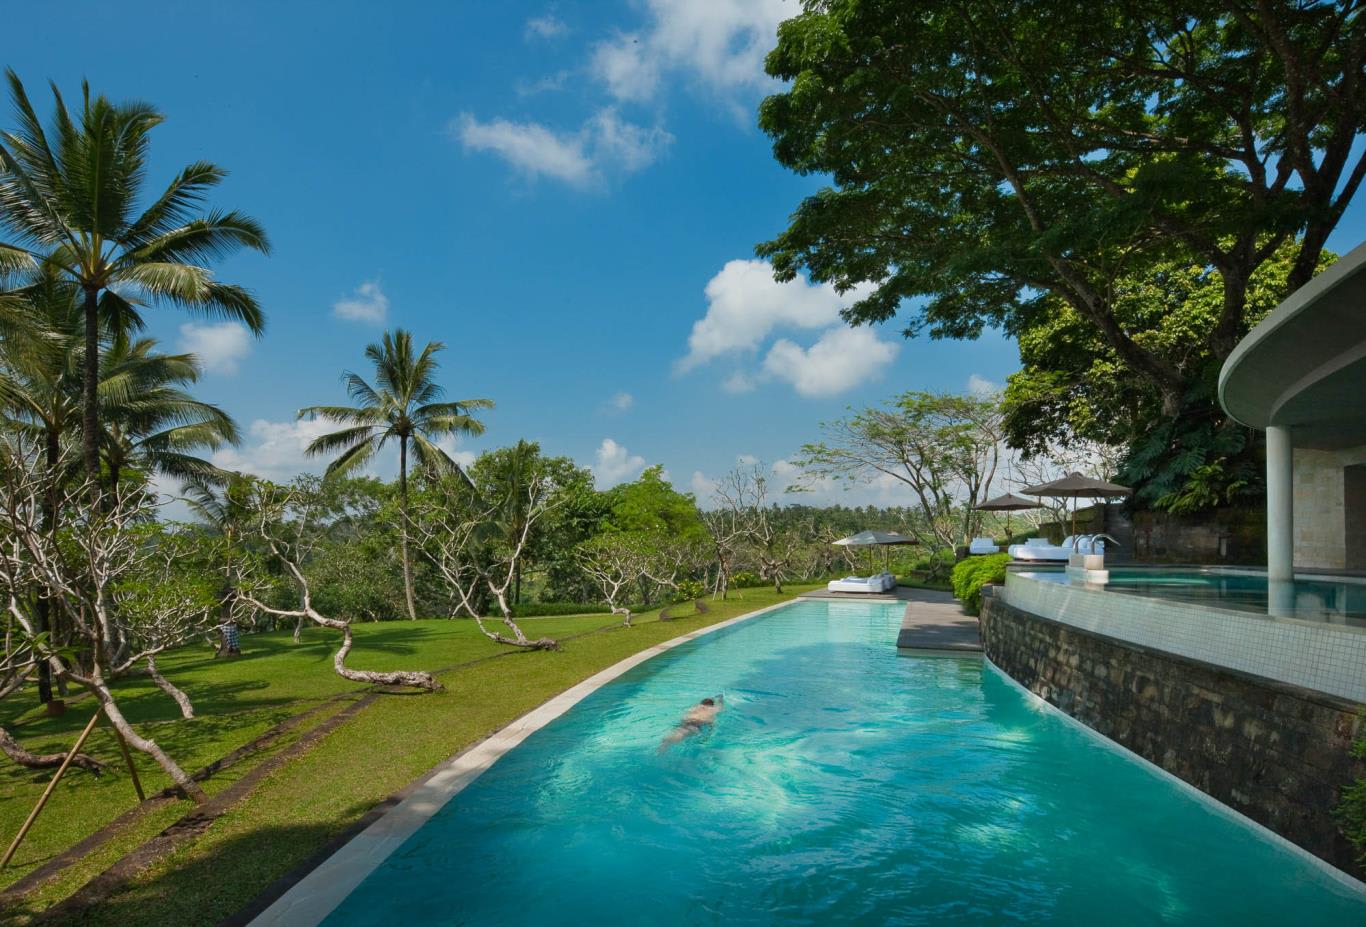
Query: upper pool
[1335, 601]
[843, 784]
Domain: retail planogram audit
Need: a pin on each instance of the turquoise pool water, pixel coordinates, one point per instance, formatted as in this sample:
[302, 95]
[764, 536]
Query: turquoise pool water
[1308, 599]
[843, 784]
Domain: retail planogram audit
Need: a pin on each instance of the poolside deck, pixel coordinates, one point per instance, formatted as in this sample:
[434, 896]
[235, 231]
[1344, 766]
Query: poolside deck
[933, 621]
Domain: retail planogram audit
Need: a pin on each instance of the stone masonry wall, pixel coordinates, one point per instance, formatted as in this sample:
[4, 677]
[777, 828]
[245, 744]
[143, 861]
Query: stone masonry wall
[1275, 753]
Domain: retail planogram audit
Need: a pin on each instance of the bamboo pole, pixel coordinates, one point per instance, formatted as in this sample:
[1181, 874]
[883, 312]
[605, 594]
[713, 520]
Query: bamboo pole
[47, 793]
[128, 759]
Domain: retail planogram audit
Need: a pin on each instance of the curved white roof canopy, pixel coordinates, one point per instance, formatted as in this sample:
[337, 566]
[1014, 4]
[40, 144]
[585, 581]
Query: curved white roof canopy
[1304, 366]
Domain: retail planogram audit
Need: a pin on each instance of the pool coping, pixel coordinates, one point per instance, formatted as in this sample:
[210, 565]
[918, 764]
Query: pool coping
[1039, 702]
[316, 895]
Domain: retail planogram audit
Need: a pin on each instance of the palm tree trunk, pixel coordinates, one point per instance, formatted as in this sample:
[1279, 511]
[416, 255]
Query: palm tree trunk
[403, 527]
[90, 413]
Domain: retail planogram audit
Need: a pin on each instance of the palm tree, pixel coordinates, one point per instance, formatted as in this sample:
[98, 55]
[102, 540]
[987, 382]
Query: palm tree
[69, 196]
[402, 406]
[149, 422]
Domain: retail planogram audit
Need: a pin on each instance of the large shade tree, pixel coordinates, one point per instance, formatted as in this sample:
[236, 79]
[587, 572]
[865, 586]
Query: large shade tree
[991, 161]
[73, 205]
[944, 448]
[404, 405]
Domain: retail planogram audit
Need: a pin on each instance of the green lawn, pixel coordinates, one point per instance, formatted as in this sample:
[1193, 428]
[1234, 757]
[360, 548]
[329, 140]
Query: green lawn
[307, 801]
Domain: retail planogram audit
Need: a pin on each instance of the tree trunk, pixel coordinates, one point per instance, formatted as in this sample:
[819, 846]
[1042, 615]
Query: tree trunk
[414, 678]
[403, 527]
[181, 699]
[90, 413]
[519, 639]
[29, 760]
[97, 686]
[43, 612]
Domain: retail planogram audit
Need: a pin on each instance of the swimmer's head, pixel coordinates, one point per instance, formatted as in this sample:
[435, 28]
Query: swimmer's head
[707, 701]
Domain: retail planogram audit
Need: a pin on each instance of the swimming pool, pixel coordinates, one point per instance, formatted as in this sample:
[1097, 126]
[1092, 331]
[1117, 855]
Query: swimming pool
[1334, 601]
[842, 784]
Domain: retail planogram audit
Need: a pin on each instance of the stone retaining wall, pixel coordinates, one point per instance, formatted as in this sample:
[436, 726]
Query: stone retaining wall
[1276, 753]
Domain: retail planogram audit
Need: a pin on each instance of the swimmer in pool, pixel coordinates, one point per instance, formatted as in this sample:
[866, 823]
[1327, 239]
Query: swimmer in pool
[698, 717]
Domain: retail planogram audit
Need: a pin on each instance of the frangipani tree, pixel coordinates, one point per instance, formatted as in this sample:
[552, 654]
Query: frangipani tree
[404, 405]
[78, 566]
[476, 553]
[944, 449]
[616, 562]
[289, 522]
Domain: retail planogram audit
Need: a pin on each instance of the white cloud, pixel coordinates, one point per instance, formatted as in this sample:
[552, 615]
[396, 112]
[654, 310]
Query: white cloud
[625, 145]
[614, 464]
[841, 359]
[622, 401]
[626, 67]
[548, 26]
[548, 84]
[738, 382]
[604, 145]
[219, 347]
[366, 304]
[719, 44]
[275, 450]
[451, 445]
[702, 487]
[745, 304]
[746, 460]
[980, 386]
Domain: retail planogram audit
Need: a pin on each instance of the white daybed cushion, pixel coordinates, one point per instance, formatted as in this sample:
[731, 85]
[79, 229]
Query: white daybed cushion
[856, 584]
[983, 546]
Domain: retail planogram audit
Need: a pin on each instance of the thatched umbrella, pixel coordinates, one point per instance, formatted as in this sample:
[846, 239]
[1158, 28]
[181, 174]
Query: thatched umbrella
[1074, 486]
[1007, 503]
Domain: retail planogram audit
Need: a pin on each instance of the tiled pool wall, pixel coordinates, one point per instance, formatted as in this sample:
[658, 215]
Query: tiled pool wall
[1276, 753]
[1322, 657]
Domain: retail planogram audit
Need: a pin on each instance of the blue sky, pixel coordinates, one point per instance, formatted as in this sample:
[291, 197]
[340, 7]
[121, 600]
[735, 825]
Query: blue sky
[567, 194]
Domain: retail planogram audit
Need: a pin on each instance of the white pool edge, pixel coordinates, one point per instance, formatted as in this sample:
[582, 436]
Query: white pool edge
[310, 900]
[1037, 701]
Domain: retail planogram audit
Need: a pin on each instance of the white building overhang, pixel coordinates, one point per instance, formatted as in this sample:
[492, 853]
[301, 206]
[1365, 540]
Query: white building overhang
[1303, 368]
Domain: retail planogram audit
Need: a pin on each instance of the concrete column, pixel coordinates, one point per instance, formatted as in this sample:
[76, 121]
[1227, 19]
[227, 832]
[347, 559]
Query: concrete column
[1280, 505]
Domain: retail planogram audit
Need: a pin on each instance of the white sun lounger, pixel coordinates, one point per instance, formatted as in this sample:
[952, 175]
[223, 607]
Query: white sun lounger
[1040, 549]
[879, 583]
[981, 546]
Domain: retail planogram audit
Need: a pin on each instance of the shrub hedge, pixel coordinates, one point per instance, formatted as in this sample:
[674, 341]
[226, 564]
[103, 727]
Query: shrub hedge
[970, 575]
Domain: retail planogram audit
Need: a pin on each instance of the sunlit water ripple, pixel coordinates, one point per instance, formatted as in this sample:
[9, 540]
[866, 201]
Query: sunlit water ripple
[843, 784]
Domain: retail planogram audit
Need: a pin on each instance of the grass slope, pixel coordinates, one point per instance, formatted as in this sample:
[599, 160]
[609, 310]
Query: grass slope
[307, 802]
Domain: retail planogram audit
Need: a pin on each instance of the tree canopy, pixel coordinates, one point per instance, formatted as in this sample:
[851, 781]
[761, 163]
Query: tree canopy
[993, 161]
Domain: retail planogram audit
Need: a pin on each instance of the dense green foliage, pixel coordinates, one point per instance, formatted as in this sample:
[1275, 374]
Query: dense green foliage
[970, 575]
[1352, 810]
[990, 165]
[1073, 386]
